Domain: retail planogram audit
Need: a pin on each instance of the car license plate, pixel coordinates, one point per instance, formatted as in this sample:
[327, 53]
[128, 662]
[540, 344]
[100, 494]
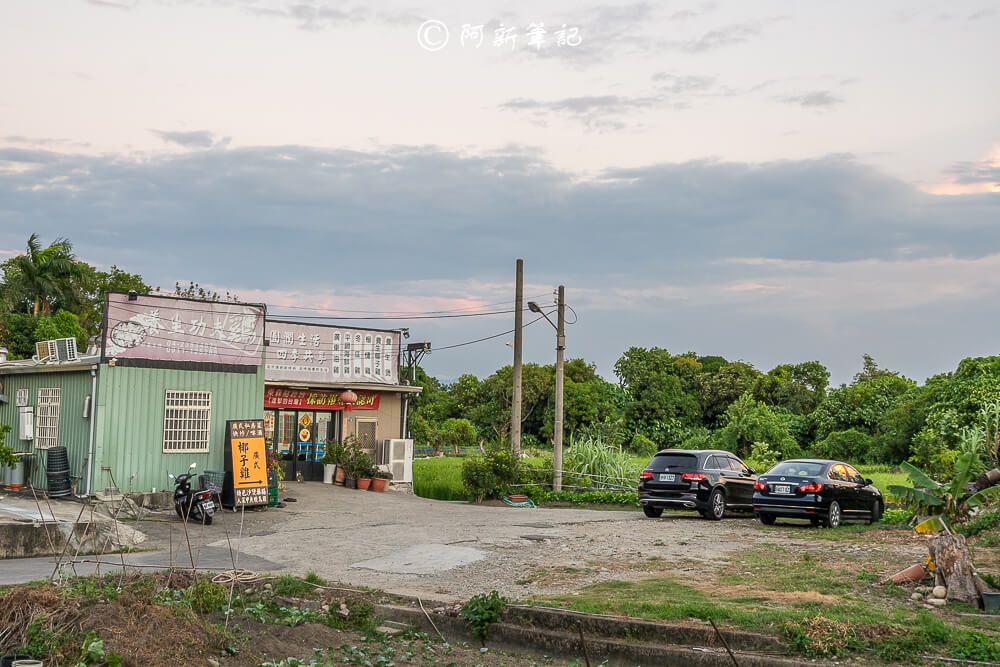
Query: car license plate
[783, 488]
[667, 478]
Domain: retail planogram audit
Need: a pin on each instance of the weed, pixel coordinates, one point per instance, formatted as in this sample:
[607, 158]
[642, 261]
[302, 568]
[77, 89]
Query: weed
[295, 587]
[92, 653]
[207, 596]
[869, 577]
[482, 610]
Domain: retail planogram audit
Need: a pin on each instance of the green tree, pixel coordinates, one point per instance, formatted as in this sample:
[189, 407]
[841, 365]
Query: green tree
[859, 406]
[749, 421]
[718, 390]
[41, 275]
[63, 324]
[658, 405]
[798, 388]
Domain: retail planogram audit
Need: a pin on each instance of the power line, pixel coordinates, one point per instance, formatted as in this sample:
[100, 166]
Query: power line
[480, 340]
[399, 312]
[394, 317]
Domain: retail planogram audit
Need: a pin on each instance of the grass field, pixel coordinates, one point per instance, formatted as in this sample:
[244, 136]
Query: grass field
[440, 478]
[825, 602]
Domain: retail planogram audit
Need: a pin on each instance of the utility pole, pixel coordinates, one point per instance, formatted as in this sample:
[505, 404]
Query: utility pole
[557, 445]
[515, 406]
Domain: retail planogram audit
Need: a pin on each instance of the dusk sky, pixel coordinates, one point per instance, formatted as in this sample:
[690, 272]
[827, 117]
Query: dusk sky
[771, 181]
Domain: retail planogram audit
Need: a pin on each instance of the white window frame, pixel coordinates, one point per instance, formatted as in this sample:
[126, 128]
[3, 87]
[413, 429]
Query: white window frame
[47, 418]
[187, 421]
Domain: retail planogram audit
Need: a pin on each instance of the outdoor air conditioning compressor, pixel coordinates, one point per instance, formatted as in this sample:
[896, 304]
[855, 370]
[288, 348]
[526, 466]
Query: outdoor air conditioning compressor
[397, 454]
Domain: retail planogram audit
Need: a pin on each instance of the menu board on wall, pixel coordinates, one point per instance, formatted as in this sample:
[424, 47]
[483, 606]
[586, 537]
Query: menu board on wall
[315, 353]
[164, 328]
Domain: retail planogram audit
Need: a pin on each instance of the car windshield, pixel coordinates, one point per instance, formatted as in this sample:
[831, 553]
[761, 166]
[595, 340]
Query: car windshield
[797, 468]
[674, 462]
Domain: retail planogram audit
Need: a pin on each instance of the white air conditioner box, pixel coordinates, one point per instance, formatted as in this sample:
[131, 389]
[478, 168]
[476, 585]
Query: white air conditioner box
[26, 422]
[397, 454]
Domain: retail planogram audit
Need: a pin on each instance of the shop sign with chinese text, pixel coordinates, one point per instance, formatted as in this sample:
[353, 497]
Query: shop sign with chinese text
[245, 440]
[321, 354]
[163, 328]
[305, 399]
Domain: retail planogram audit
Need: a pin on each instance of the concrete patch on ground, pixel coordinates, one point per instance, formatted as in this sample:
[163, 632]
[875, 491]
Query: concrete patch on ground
[423, 559]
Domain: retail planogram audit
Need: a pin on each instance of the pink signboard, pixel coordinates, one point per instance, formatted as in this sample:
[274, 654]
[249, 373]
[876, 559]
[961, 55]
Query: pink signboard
[163, 328]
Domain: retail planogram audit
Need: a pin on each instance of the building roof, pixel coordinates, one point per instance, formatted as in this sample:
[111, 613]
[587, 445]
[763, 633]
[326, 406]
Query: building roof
[22, 366]
[369, 386]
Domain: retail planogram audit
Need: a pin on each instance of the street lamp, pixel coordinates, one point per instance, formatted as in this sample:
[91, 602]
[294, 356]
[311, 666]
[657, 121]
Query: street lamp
[557, 435]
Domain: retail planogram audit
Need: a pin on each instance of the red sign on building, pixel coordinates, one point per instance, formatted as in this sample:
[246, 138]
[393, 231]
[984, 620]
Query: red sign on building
[307, 399]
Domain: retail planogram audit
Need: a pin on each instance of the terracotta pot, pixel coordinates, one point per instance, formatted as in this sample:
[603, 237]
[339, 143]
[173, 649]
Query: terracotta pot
[910, 574]
[379, 484]
[364, 483]
[340, 475]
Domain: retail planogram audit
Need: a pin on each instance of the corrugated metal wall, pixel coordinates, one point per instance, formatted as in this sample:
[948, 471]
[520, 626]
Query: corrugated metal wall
[74, 430]
[130, 422]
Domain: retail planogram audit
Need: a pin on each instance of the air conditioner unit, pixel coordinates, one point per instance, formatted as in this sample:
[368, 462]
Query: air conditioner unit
[45, 350]
[66, 349]
[397, 454]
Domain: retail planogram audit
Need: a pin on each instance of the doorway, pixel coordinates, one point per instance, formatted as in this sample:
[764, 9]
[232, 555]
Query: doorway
[299, 437]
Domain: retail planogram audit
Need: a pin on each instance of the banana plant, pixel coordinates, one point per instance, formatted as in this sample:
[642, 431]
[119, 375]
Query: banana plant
[950, 499]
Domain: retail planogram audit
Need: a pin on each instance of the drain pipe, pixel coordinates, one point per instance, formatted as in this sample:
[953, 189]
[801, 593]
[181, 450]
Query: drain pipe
[93, 411]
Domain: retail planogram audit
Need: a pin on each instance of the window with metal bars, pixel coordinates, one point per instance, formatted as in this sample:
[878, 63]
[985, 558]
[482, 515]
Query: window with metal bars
[47, 418]
[187, 420]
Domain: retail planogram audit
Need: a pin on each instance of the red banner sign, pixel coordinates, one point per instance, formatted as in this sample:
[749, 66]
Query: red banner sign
[306, 399]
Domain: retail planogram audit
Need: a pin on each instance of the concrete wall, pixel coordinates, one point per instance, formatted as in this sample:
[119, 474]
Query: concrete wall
[390, 407]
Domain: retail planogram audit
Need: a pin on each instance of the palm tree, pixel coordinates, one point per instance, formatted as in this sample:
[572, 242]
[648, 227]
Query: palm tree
[44, 274]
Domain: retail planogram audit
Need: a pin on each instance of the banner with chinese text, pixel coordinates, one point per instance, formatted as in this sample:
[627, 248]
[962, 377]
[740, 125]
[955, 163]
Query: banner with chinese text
[305, 399]
[322, 354]
[163, 328]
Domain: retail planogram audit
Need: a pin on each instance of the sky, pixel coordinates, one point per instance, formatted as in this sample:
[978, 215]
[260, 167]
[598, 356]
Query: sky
[770, 181]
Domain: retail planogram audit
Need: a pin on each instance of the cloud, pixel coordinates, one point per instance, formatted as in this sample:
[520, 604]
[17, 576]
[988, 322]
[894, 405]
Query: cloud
[192, 139]
[815, 99]
[737, 258]
[594, 111]
[717, 38]
[986, 13]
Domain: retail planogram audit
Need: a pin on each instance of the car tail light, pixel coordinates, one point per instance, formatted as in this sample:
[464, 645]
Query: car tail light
[645, 474]
[811, 488]
[759, 486]
[693, 477]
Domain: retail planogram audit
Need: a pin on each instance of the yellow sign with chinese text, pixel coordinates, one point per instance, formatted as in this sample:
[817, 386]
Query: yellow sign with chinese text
[246, 445]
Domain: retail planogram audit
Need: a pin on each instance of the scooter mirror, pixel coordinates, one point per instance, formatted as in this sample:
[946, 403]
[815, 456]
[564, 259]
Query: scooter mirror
[192, 466]
[170, 475]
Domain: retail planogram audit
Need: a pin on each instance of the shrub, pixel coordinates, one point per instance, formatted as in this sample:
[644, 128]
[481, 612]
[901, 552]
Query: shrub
[643, 446]
[489, 476]
[762, 458]
[592, 462]
[697, 441]
[481, 611]
[849, 445]
[207, 596]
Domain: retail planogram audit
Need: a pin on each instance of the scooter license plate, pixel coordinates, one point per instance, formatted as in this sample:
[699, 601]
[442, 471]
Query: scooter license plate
[209, 507]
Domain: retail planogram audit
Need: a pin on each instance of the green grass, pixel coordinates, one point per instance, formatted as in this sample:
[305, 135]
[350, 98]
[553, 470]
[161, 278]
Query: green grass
[819, 607]
[439, 478]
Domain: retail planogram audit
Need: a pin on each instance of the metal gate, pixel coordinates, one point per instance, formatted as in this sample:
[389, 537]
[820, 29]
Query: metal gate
[366, 436]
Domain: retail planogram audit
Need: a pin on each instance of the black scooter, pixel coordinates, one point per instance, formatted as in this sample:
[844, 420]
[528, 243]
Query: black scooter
[194, 505]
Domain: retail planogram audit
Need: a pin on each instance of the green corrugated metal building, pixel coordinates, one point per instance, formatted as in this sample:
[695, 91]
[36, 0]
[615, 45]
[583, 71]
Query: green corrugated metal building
[147, 404]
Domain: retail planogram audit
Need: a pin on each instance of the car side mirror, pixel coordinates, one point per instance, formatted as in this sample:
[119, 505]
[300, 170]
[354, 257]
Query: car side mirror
[751, 471]
[868, 482]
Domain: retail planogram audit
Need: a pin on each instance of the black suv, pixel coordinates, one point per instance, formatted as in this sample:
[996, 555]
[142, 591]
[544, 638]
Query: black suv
[709, 480]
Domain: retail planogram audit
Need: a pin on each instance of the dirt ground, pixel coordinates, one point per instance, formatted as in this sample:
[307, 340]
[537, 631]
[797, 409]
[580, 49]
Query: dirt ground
[522, 552]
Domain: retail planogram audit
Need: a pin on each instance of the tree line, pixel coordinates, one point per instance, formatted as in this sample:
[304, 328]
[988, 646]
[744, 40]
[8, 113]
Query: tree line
[693, 401]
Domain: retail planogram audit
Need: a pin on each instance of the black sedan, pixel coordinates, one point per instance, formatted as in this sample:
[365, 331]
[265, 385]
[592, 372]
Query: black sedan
[825, 492]
[710, 481]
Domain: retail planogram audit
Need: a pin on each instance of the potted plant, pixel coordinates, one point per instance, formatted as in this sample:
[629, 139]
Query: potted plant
[381, 480]
[275, 475]
[330, 461]
[365, 471]
[350, 466]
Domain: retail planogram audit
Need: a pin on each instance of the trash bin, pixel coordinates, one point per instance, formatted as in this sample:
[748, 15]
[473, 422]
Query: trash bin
[14, 477]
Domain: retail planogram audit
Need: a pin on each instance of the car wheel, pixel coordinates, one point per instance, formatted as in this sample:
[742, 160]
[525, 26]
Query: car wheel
[833, 516]
[717, 505]
[876, 513]
[652, 512]
[766, 519]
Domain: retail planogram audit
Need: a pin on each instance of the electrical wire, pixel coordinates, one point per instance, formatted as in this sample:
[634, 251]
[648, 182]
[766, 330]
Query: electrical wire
[480, 340]
[393, 317]
[403, 312]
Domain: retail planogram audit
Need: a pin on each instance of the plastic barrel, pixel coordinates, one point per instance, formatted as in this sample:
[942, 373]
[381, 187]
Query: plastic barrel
[8, 660]
[57, 472]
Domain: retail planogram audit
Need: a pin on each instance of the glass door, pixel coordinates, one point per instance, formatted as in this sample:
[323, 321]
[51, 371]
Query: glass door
[285, 439]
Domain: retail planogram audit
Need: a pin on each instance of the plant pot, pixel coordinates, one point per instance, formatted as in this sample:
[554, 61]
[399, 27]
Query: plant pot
[350, 483]
[329, 470]
[364, 483]
[991, 602]
[379, 484]
[339, 476]
[910, 574]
